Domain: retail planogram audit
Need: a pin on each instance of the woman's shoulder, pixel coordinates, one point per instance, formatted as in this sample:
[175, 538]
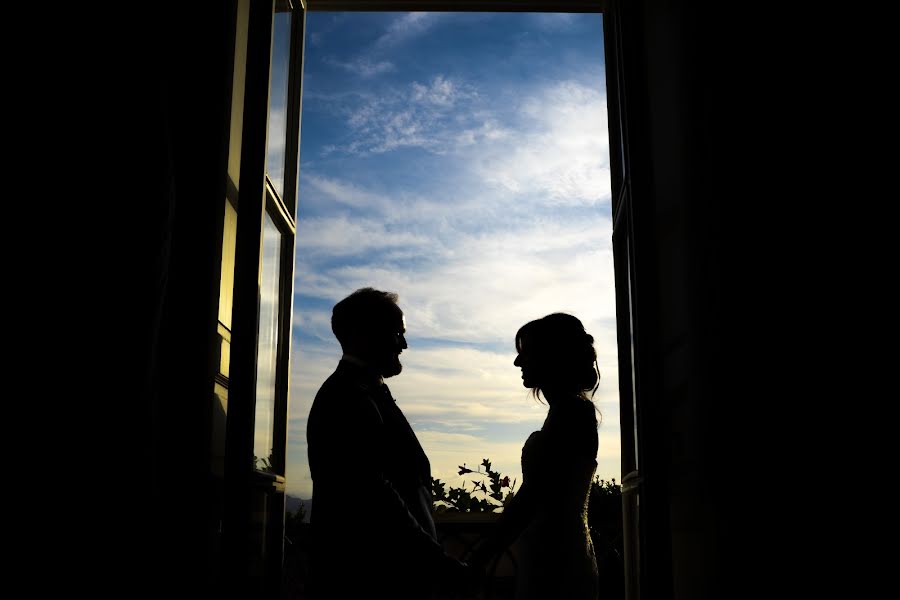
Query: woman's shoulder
[534, 435]
[534, 439]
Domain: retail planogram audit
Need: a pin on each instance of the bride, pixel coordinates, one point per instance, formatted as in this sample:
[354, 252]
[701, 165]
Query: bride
[547, 518]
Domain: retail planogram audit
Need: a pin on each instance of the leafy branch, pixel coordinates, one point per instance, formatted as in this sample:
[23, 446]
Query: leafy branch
[459, 499]
[603, 489]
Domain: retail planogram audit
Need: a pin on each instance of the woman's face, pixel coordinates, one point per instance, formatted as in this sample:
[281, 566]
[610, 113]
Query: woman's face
[526, 362]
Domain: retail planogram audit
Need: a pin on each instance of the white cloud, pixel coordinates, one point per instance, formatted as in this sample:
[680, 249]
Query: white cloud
[348, 193]
[407, 27]
[560, 150]
[488, 130]
[551, 145]
[555, 22]
[441, 92]
[479, 287]
[362, 66]
[313, 322]
[342, 236]
[419, 115]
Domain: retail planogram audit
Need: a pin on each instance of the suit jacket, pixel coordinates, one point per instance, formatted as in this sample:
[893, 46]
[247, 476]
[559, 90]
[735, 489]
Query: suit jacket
[373, 534]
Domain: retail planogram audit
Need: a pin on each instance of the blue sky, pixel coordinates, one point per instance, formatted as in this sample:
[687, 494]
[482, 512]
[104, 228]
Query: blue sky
[460, 160]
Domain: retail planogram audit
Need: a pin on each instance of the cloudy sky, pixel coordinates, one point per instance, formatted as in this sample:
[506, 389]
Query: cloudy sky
[461, 161]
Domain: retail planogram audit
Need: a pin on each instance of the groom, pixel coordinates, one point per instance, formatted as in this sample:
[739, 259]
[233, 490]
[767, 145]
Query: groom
[373, 534]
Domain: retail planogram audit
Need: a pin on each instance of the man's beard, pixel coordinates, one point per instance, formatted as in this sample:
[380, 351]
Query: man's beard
[391, 367]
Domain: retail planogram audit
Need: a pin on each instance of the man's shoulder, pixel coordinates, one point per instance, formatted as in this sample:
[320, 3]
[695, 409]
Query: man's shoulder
[344, 379]
[343, 402]
[344, 386]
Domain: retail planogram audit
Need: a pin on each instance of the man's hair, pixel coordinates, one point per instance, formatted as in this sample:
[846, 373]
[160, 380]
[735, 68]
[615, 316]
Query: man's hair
[362, 312]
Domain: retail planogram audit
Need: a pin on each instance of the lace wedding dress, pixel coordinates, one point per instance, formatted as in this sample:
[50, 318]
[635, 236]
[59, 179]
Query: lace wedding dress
[554, 552]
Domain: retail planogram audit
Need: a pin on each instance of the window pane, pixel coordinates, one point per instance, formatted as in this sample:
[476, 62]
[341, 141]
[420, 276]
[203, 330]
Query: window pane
[226, 285]
[267, 353]
[281, 48]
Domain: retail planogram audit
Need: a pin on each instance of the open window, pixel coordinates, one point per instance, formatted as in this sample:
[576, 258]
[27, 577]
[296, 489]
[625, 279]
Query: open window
[257, 289]
[259, 242]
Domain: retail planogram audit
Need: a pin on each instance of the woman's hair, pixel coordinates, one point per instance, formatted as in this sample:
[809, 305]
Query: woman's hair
[565, 353]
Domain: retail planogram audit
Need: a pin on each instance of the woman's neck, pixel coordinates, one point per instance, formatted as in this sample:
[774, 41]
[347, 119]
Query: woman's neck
[557, 397]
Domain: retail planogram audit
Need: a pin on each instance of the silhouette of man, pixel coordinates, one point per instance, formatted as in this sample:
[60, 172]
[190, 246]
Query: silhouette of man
[373, 533]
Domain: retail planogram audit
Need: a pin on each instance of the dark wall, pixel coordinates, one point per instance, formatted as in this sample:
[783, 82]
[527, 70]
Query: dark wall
[175, 94]
[681, 119]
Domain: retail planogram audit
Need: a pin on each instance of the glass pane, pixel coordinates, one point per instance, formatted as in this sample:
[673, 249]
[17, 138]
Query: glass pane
[281, 49]
[267, 352]
[226, 283]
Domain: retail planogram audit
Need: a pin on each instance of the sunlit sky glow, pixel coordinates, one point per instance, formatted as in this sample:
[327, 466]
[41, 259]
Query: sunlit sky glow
[461, 161]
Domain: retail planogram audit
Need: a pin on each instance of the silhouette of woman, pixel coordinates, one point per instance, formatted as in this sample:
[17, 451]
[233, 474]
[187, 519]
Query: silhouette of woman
[547, 517]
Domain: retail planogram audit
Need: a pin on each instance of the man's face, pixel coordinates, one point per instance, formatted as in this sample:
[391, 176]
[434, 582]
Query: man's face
[388, 344]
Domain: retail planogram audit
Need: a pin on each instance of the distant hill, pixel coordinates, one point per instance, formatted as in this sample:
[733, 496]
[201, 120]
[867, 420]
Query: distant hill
[292, 503]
